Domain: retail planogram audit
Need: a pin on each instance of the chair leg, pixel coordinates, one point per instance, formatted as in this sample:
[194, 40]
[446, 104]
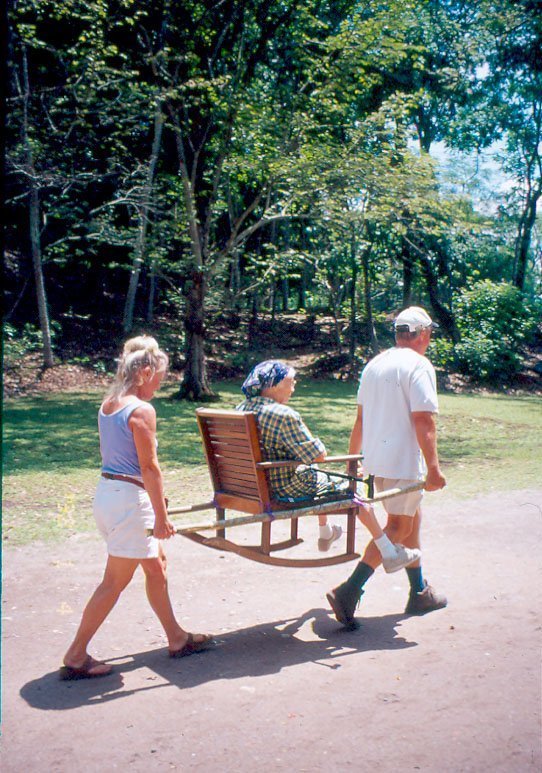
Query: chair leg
[266, 538]
[293, 528]
[351, 531]
[220, 516]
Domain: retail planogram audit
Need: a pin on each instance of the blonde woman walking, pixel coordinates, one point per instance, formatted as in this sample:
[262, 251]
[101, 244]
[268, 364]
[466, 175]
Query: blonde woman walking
[130, 500]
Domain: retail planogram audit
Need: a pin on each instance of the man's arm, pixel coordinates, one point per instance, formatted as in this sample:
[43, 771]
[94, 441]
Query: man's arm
[426, 434]
[357, 433]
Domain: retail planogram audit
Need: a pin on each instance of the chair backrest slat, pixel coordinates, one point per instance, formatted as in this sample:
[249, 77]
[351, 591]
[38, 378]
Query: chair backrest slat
[232, 446]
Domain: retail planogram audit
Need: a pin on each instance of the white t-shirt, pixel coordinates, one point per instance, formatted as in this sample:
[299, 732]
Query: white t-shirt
[393, 385]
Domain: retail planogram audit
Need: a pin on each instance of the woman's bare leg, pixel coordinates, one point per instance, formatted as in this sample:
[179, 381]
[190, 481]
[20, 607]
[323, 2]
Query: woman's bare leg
[117, 575]
[158, 596]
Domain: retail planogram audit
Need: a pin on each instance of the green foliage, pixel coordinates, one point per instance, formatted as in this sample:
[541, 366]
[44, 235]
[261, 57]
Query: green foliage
[18, 343]
[495, 321]
[89, 362]
[239, 361]
[442, 352]
[286, 154]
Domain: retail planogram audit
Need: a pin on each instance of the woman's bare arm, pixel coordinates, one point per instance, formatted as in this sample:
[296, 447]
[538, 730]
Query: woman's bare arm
[143, 425]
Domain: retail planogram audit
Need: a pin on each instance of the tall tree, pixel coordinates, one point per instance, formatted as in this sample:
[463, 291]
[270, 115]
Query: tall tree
[516, 79]
[144, 209]
[29, 169]
[235, 119]
[24, 167]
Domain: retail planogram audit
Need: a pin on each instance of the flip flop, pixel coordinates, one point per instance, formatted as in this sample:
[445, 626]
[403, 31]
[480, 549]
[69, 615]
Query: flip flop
[192, 646]
[71, 673]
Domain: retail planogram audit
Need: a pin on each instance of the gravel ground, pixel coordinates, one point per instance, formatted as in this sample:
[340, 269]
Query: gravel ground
[287, 689]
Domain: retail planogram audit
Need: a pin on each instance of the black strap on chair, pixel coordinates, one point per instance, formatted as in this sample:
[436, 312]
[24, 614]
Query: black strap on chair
[369, 480]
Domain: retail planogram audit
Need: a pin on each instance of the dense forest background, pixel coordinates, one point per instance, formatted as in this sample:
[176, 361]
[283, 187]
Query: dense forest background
[194, 168]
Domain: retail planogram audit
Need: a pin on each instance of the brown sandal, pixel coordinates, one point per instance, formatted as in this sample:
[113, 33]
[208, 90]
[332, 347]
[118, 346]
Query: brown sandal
[192, 646]
[71, 673]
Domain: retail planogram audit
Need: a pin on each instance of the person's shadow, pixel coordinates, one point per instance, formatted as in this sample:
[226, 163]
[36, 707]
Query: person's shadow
[261, 649]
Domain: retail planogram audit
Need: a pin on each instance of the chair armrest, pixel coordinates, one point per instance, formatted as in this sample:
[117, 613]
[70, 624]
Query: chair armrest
[282, 463]
[345, 458]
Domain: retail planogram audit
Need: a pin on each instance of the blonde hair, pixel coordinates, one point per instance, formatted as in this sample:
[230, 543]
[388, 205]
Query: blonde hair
[138, 353]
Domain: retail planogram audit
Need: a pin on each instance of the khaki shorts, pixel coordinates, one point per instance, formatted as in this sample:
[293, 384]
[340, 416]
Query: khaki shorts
[123, 513]
[404, 504]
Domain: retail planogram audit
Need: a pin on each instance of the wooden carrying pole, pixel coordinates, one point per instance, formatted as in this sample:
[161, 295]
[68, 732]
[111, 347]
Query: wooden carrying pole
[283, 514]
[191, 508]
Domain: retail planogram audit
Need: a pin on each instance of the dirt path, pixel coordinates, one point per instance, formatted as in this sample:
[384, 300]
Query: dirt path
[457, 690]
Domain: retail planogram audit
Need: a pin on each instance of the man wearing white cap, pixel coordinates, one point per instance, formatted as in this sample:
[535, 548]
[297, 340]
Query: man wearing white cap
[395, 431]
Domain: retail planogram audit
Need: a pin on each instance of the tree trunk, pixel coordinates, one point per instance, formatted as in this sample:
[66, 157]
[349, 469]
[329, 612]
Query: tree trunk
[285, 292]
[253, 320]
[41, 296]
[34, 224]
[523, 241]
[353, 301]
[232, 298]
[195, 386]
[408, 275]
[443, 314]
[152, 295]
[371, 332]
[302, 289]
[335, 314]
[273, 303]
[305, 279]
[144, 214]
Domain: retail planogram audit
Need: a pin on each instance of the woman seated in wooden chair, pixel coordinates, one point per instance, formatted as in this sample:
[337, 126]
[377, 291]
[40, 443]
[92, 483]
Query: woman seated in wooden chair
[284, 436]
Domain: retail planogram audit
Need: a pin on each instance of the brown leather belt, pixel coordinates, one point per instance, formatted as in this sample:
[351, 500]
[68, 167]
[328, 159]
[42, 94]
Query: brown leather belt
[125, 478]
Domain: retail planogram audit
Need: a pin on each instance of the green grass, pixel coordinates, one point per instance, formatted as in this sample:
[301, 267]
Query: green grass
[51, 452]
[490, 443]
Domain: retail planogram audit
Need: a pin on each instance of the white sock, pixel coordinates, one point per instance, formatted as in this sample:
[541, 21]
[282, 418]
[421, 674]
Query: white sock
[386, 547]
[326, 532]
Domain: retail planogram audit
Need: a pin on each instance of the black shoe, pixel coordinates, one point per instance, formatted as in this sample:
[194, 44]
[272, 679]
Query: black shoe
[343, 602]
[425, 601]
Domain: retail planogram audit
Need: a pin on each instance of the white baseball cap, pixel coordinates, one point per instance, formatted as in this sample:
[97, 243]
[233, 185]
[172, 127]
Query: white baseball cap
[414, 319]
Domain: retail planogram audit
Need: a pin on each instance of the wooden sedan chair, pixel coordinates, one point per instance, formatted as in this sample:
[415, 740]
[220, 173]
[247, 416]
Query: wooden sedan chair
[239, 476]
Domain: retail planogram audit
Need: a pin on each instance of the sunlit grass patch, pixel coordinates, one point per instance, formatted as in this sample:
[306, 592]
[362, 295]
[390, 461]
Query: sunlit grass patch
[51, 449]
[490, 442]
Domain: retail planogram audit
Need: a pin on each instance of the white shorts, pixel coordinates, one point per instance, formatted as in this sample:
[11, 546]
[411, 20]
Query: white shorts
[404, 504]
[123, 513]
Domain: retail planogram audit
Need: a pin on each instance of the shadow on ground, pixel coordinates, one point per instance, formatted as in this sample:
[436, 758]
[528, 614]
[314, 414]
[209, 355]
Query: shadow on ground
[262, 649]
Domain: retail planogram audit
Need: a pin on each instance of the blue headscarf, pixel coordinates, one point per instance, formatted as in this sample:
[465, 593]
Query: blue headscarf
[265, 374]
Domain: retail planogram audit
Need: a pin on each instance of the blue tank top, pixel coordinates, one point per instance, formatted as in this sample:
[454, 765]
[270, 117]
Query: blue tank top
[117, 447]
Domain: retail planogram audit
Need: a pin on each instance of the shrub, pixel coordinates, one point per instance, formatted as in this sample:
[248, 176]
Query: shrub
[442, 353]
[494, 320]
[17, 343]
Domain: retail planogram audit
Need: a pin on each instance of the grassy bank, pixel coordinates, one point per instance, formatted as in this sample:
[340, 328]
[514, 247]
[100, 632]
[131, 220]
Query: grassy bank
[51, 453]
